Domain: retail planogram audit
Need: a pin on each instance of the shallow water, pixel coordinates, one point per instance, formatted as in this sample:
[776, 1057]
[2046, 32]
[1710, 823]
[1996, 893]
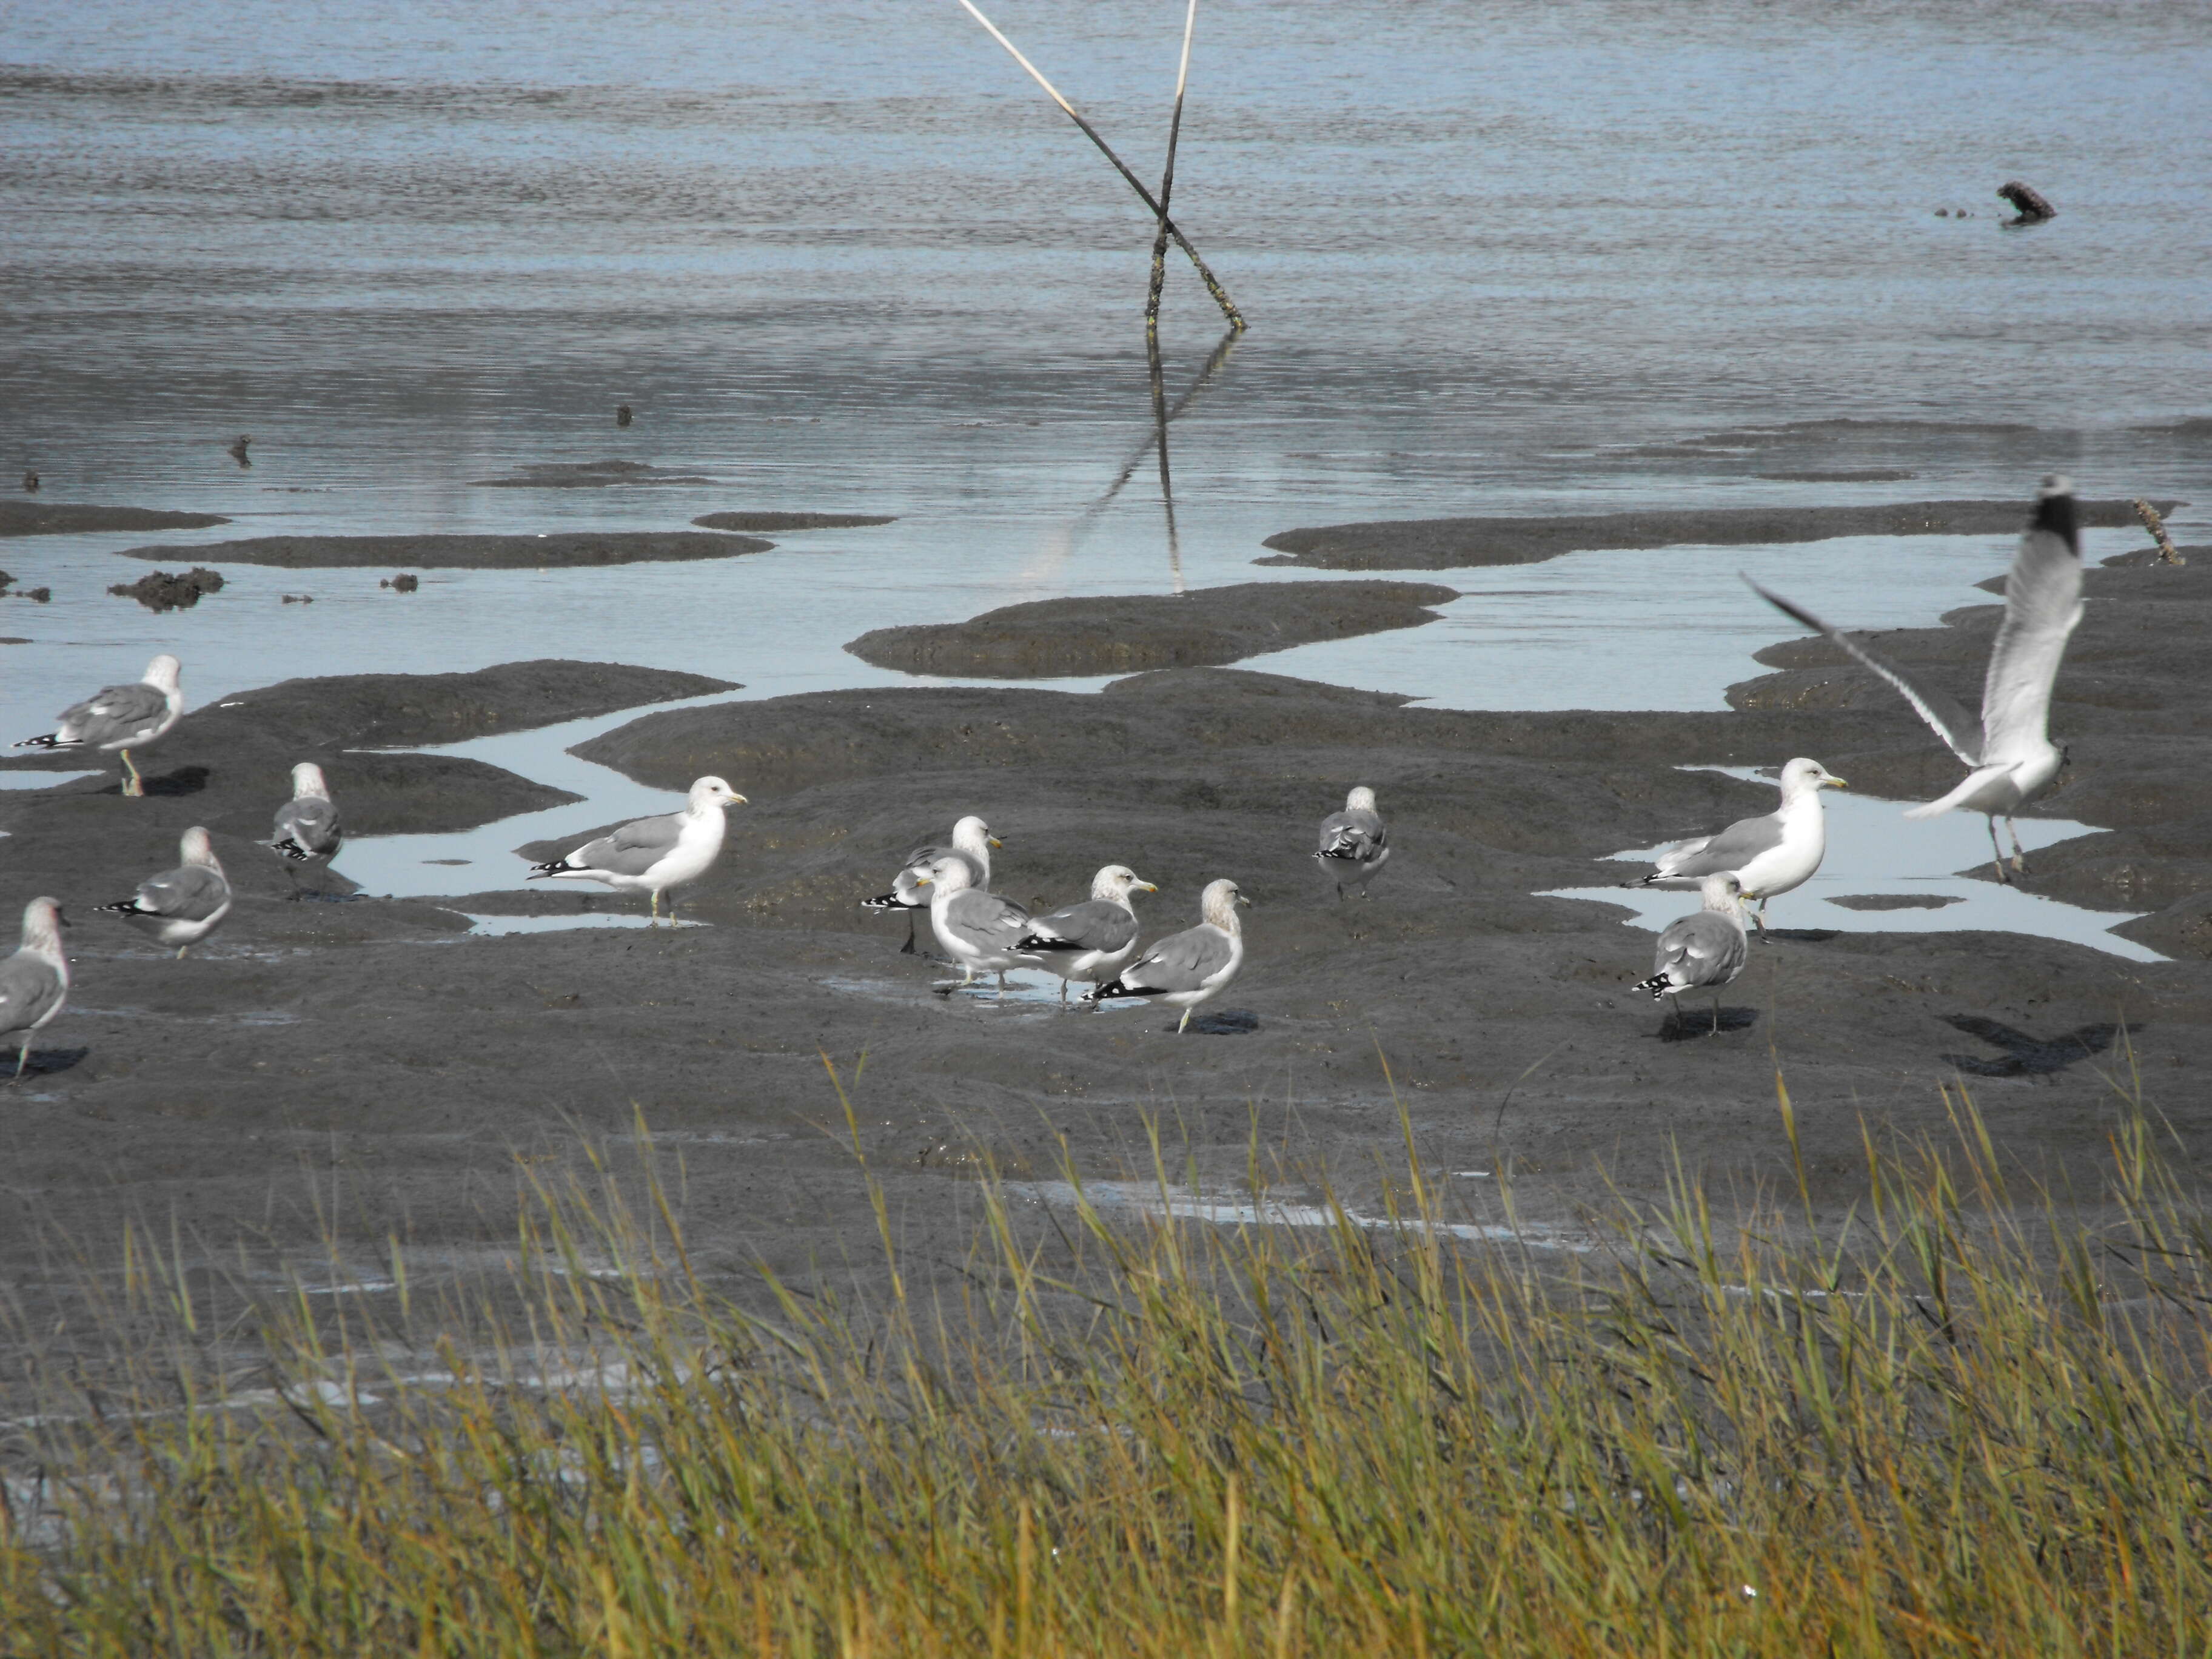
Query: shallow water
[1526, 257]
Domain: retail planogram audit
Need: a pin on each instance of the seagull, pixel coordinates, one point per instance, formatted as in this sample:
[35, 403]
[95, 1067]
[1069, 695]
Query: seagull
[1769, 855]
[2012, 758]
[978, 929]
[34, 982]
[308, 825]
[122, 717]
[972, 839]
[1090, 941]
[1354, 845]
[651, 855]
[1705, 948]
[1192, 967]
[182, 906]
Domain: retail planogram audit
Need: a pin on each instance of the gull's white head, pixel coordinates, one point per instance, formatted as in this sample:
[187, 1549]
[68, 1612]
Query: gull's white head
[43, 922]
[165, 674]
[946, 875]
[1722, 892]
[1361, 799]
[308, 780]
[1115, 882]
[1217, 904]
[198, 848]
[712, 792]
[1802, 776]
[973, 836]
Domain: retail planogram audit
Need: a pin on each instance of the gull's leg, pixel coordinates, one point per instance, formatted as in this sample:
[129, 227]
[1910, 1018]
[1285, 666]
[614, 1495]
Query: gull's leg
[1759, 918]
[294, 874]
[23, 1059]
[181, 949]
[656, 921]
[1716, 1014]
[1063, 991]
[912, 923]
[2019, 853]
[1184, 1021]
[132, 783]
[1996, 853]
[671, 907]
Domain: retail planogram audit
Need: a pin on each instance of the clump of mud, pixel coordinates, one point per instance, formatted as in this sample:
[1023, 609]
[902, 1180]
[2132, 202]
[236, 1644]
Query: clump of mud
[163, 591]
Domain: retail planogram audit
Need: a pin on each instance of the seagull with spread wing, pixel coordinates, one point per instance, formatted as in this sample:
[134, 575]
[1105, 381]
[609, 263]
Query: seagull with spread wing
[2011, 758]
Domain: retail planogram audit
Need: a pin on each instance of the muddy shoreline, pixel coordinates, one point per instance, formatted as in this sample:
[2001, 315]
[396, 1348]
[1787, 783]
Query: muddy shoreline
[19, 518]
[565, 550]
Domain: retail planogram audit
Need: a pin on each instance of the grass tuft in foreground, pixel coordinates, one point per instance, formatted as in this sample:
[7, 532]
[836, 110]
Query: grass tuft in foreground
[1946, 1431]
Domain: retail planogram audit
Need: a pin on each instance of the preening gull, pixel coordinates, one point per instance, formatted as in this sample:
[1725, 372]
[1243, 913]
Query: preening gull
[2012, 758]
[182, 906]
[972, 839]
[1705, 948]
[1767, 856]
[978, 929]
[651, 855]
[34, 982]
[121, 717]
[308, 826]
[1187, 969]
[1354, 845]
[1089, 941]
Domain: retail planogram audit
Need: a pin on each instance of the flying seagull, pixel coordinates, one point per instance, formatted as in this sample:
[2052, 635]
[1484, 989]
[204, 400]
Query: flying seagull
[122, 717]
[1354, 845]
[1768, 855]
[2011, 759]
[1704, 949]
[182, 906]
[1091, 941]
[1194, 966]
[34, 982]
[651, 855]
[972, 839]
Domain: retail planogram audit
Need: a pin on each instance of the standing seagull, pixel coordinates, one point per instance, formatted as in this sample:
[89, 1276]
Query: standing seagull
[1192, 967]
[2012, 757]
[182, 906]
[308, 825]
[1354, 845]
[1706, 948]
[1089, 941]
[122, 717]
[651, 855]
[978, 929]
[34, 982]
[972, 839]
[1768, 855]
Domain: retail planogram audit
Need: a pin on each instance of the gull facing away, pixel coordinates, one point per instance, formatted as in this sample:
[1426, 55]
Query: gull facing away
[1089, 941]
[972, 839]
[2011, 758]
[651, 855]
[308, 826]
[34, 982]
[1705, 948]
[1354, 845]
[1187, 969]
[182, 906]
[1768, 855]
[122, 718]
[978, 929]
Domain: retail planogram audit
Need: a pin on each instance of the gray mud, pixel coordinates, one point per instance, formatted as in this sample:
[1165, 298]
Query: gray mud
[59, 519]
[769, 524]
[1448, 543]
[567, 549]
[1120, 635]
[587, 474]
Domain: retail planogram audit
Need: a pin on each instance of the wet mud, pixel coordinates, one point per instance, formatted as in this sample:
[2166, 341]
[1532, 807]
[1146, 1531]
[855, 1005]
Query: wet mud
[1121, 635]
[587, 474]
[567, 551]
[60, 519]
[768, 523]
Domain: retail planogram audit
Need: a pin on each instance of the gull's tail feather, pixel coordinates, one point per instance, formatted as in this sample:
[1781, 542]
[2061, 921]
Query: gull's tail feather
[1656, 985]
[1115, 988]
[1964, 793]
[299, 854]
[1034, 942]
[129, 907]
[889, 901]
[559, 866]
[50, 740]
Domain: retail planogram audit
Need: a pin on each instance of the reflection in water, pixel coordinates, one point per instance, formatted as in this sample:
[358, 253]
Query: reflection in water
[1160, 439]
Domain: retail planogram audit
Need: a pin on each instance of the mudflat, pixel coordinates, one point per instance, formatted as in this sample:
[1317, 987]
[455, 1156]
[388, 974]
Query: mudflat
[565, 550]
[19, 518]
[770, 523]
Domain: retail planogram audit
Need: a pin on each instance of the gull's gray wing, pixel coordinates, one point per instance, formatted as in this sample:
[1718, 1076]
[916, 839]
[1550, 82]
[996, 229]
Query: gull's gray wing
[633, 849]
[2043, 606]
[309, 822]
[1358, 837]
[986, 921]
[30, 989]
[1092, 924]
[1731, 849]
[113, 712]
[1701, 949]
[1181, 962]
[191, 892]
[1942, 711]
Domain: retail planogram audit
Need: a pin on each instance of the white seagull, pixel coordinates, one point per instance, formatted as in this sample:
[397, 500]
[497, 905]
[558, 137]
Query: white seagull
[972, 839]
[1704, 949]
[1194, 966]
[651, 855]
[1354, 845]
[182, 906]
[1091, 941]
[1768, 855]
[122, 718]
[308, 825]
[978, 929]
[2011, 758]
[34, 982]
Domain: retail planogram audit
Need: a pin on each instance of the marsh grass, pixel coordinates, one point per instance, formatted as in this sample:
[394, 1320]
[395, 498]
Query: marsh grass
[1957, 1424]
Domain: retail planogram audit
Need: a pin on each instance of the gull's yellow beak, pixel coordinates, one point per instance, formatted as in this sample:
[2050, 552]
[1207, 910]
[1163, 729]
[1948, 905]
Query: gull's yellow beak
[995, 840]
[921, 881]
[1831, 781]
[1241, 899]
[1146, 885]
[737, 800]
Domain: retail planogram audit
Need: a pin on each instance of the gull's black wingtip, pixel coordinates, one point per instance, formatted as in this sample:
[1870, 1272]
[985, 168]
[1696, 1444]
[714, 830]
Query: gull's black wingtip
[2055, 511]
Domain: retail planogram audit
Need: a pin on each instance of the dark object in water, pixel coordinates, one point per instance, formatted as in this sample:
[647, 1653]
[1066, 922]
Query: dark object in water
[161, 591]
[623, 416]
[299, 599]
[401, 583]
[238, 450]
[30, 480]
[7, 581]
[39, 594]
[2031, 206]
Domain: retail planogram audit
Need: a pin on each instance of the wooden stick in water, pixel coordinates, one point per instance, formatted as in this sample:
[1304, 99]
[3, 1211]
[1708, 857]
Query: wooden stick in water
[2167, 552]
[1167, 185]
[1212, 283]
